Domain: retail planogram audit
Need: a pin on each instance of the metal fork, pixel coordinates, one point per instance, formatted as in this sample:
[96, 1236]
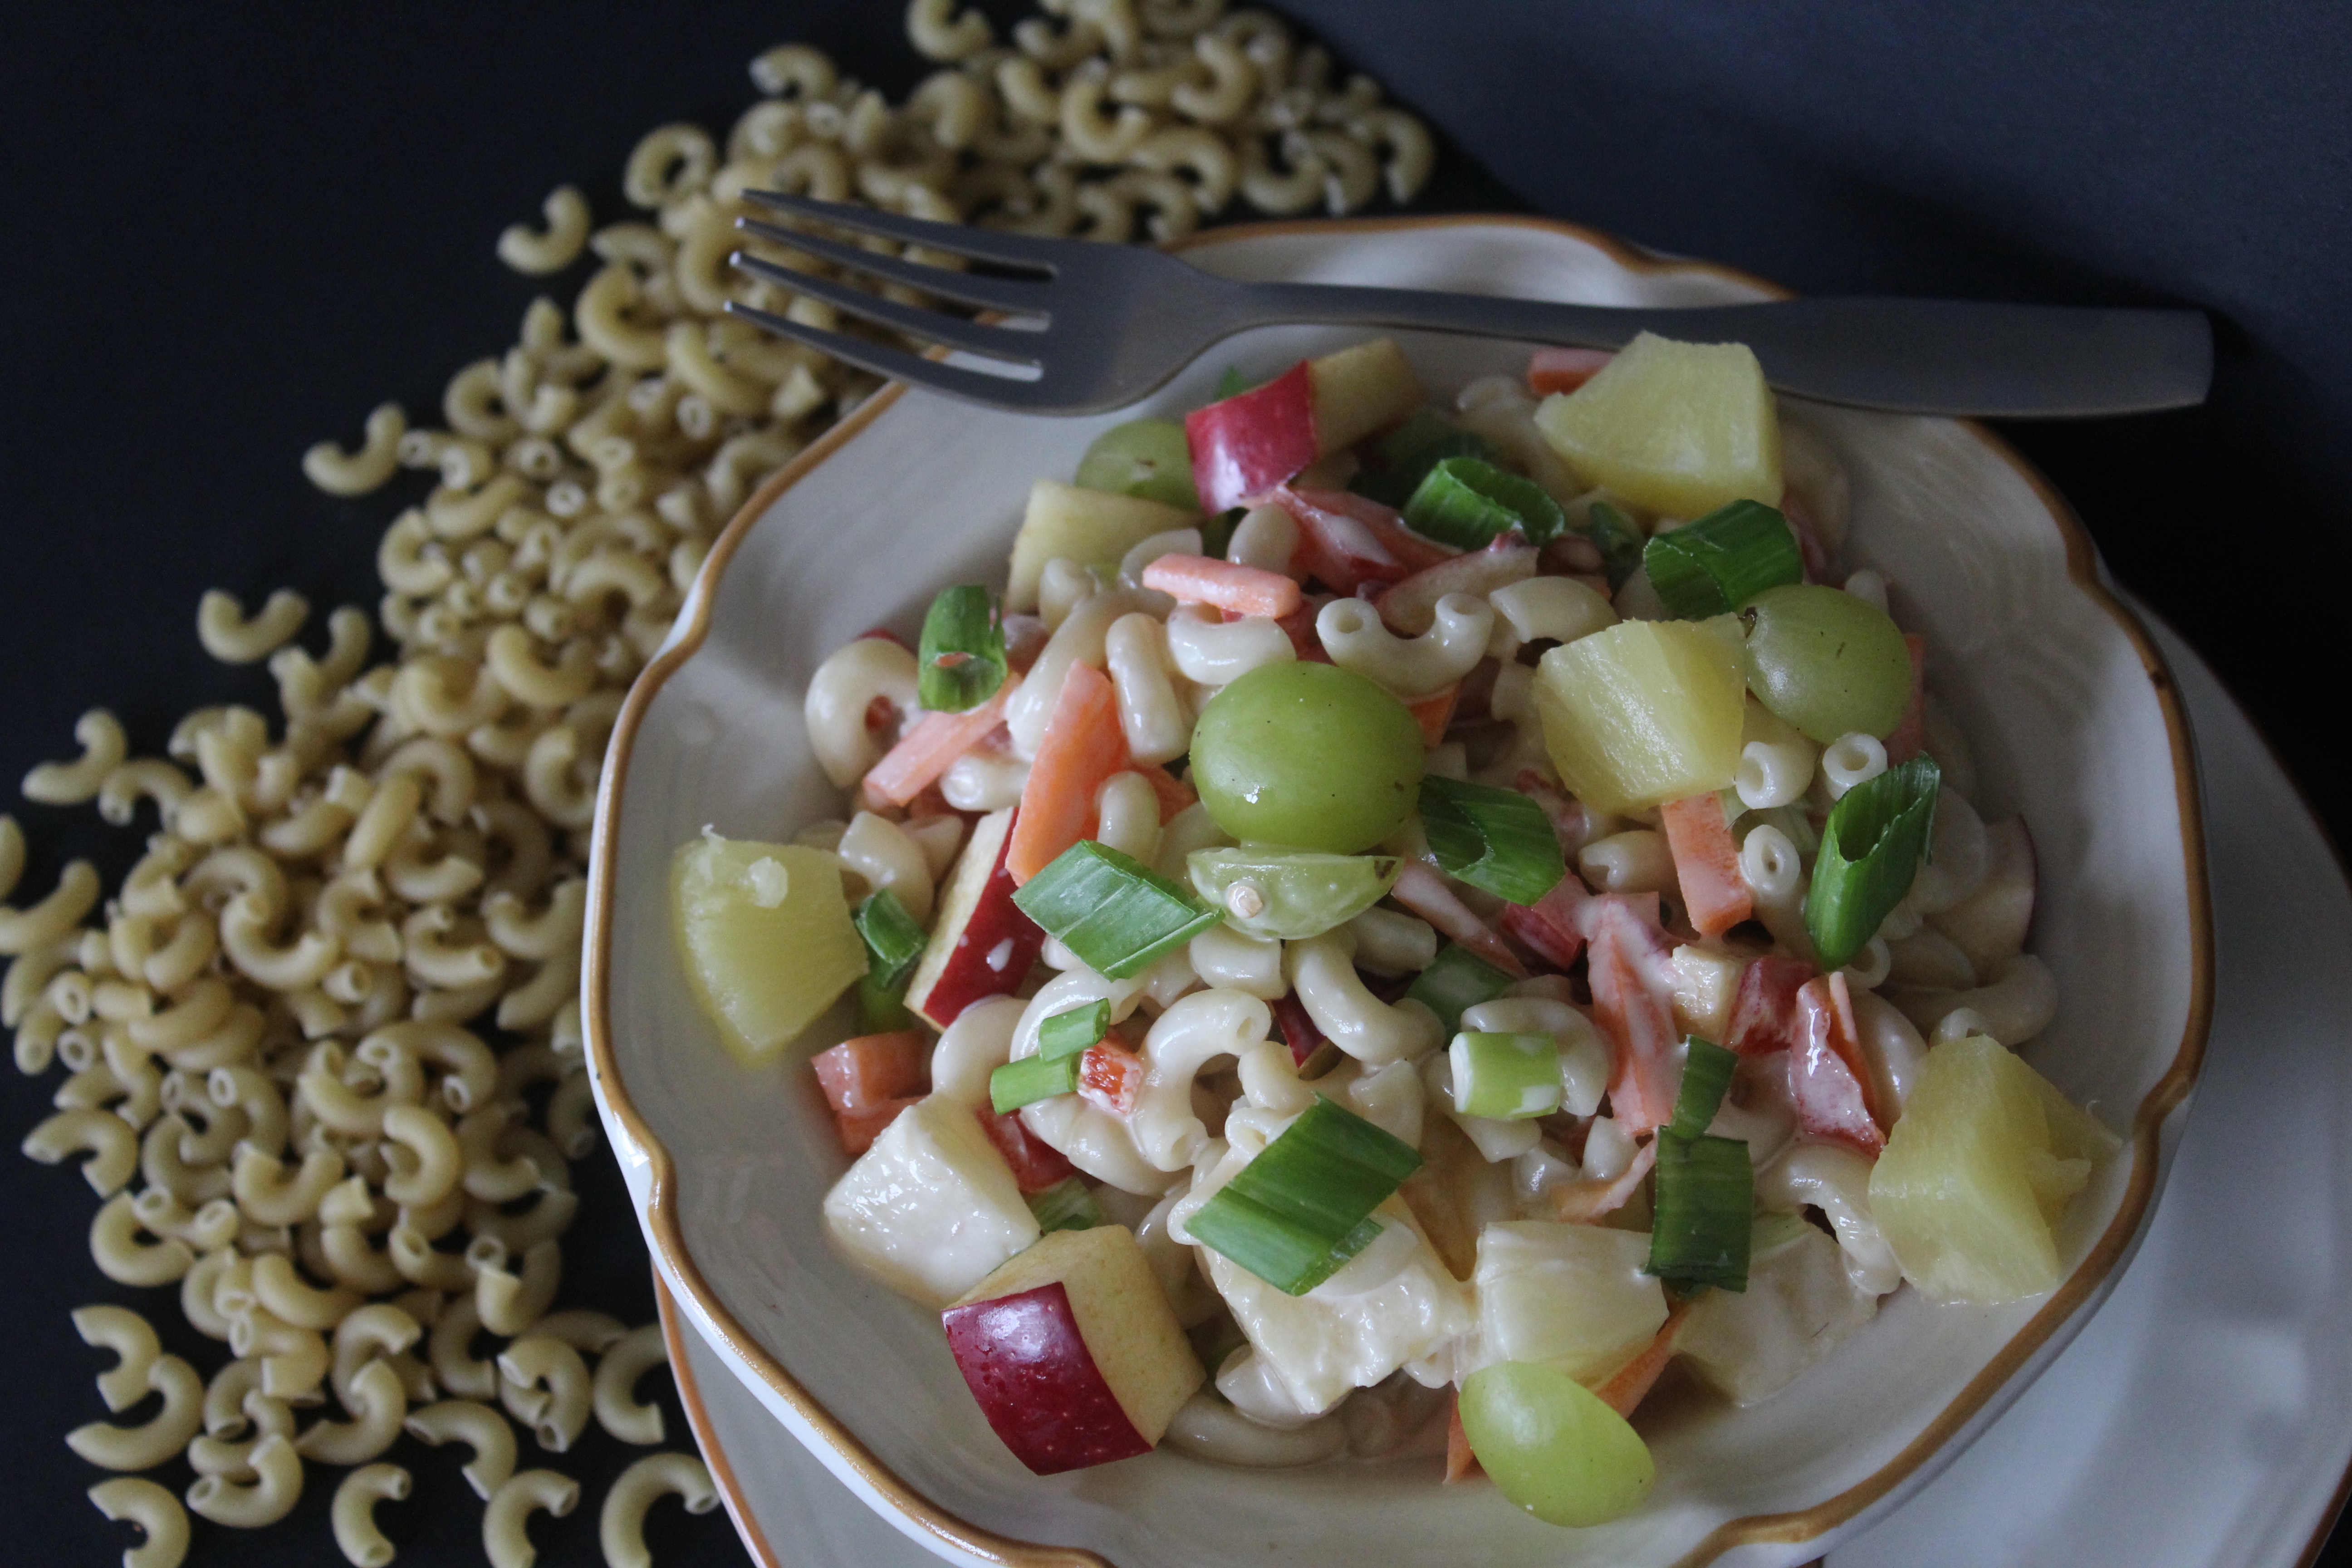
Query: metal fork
[1105, 325]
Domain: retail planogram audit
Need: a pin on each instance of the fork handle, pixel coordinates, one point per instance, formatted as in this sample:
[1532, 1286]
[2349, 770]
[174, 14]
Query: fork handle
[1911, 356]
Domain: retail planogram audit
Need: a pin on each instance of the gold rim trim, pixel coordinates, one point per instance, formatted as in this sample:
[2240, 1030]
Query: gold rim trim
[1799, 1525]
[706, 1431]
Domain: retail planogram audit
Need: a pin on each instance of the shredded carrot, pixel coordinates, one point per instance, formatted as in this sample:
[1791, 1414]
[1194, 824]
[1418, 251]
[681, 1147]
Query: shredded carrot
[1234, 589]
[1706, 864]
[1564, 370]
[1174, 794]
[1082, 746]
[925, 752]
[1433, 713]
[1584, 1202]
[1630, 1383]
[1633, 1007]
[1459, 1460]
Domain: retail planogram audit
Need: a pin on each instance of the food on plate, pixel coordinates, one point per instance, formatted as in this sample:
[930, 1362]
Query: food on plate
[1476, 928]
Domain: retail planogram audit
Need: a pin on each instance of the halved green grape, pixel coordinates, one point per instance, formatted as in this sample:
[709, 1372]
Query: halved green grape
[1826, 661]
[1307, 756]
[1147, 457]
[1552, 1446]
[1292, 894]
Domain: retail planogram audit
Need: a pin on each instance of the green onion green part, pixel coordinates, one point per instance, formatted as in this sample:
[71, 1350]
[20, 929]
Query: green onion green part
[881, 1009]
[1707, 1074]
[1304, 1207]
[1066, 1205]
[1233, 384]
[1290, 893]
[1706, 1193]
[1497, 839]
[1455, 980]
[1117, 915]
[1072, 1030]
[1871, 851]
[1506, 1077]
[894, 943]
[960, 662]
[1030, 1079]
[1407, 453]
[1468, 501]
[1620, 542]
[1714, 565]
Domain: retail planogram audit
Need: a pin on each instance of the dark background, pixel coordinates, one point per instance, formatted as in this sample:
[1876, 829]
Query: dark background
[227, 232]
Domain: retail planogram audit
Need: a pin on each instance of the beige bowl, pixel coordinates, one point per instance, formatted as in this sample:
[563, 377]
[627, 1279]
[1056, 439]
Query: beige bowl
[2066, 700]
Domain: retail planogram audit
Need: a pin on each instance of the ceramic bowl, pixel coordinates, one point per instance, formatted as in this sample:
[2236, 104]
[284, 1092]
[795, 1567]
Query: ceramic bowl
[2063, 695]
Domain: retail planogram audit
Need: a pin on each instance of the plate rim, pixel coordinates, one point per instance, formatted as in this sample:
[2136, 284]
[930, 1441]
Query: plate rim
[2171, 1090]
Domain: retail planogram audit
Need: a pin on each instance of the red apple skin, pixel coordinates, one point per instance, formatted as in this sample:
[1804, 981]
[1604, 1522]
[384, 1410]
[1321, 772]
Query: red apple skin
[1764, 1014]
[1245, 445]
[1828, 1077]
[997, 928]
[1037, 1383]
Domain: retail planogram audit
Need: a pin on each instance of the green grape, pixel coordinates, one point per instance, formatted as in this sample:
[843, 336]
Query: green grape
[1552, 1446]
[1286, 893]
[1146, 458]
[1309, 756]
[1826, 662]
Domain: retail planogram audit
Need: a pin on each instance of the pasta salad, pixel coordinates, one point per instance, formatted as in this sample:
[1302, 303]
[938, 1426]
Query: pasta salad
[1401, 919]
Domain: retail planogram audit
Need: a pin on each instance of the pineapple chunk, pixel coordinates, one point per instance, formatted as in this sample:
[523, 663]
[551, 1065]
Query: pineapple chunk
[1800, 1304]
[1572, 1297]
[1092, 527]
[1357, 390]
[765, 932]
[1123, 1317]
[1646, 712]
[1981, 1166]
[1678, 429]
[931, 1208]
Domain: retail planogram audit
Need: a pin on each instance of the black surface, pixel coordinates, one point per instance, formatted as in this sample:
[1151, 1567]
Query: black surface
[231, 232]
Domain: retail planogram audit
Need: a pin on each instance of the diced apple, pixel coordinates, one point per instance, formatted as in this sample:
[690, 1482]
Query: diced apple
[1678, 429]
[982, 944]
[1359, 391]
[1036, 1163]
[1245, 446]
[1643, 712]
[765, 935]
[1073, 1352]
[1707, 988]
[1978, 1171]
[1092, 527]
[1990, 924]
[931, 1208]
[1573, 1297]
[1800, 1303]
[1320, 1346]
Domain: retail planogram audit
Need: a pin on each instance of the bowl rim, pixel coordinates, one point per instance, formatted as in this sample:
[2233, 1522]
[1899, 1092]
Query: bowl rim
[664, 1225]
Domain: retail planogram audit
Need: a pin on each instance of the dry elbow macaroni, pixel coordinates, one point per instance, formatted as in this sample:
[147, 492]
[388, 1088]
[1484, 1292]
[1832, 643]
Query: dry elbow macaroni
[281, 1082]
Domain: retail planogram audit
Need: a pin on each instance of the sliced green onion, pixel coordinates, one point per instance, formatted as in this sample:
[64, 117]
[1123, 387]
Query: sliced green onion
[1701, 1232]
[1304, 1207]
[1217, 531]
[1497, 839]
[1707, 1073]
[1290, 893]
[1065, 1205]
[1506, 1077]
[1455, 980]
[1030, 1079]
[1233, 384]
[894, 943]
[1072, 1030]
[1117, 915]
[961, 660]
[881, 1009]
[1620, 542]
[1718, 563]
[1407, 452]
[1871, 849]
[1468, 501]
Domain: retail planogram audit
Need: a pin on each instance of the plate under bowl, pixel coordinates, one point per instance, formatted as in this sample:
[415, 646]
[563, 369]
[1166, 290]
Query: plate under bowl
[2065, 698]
